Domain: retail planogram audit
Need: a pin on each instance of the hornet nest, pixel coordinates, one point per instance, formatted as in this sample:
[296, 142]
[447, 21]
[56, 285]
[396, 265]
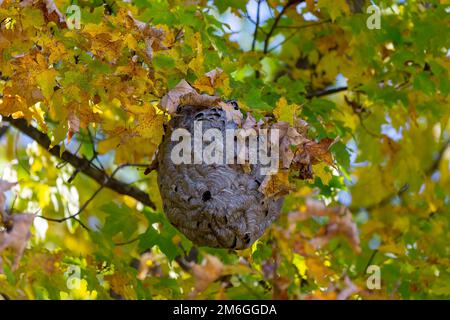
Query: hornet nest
[213, 205]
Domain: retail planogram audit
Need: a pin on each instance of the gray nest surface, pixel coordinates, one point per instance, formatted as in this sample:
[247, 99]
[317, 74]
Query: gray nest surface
[212, 205]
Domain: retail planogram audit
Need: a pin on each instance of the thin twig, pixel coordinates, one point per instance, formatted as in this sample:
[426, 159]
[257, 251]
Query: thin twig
[298, 28]
[74, 216]
[386, 200]
[16, 140]
[3, 131]
[326, 92]
[255, 34]
[81, 224]
[127, 242]
[254, 23]
[94, 151]
[372, 256]
[277, 20]
[83, 164]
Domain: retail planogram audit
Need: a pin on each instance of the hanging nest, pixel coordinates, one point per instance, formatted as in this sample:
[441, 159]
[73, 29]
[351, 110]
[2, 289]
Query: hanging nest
[229, 205]
[213, 205]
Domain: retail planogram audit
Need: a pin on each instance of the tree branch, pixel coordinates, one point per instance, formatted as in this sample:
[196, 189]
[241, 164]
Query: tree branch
[3, 131]
[277, 20]
[254, 22]
[255, 34]
[297, 29]
[74, 216]
[326, 92]
[82, 164]
[429, 171]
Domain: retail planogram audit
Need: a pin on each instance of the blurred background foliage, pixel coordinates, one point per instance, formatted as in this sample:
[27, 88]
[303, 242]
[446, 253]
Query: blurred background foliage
[95, 90]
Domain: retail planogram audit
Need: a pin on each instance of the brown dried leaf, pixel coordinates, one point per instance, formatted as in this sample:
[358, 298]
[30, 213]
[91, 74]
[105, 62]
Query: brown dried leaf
[49, 9]
[4, 186]
[205, 273]
[276, 185]
[153, 37]
[301, 126]
[74, 125]
[349, 290]
[199, 100]
[341, 223]
[232, 113]
[288, 136]
[210, 80]
[17, 237]
[183, 93]
[320, 151]
[250, 122]
[172, 99]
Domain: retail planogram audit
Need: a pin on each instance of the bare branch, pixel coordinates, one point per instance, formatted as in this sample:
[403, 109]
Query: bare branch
[118, 244]
[429, 171]
[94, 151]
[305, 25]
[326, 92]
[153, 166]
[3, 131]
[82, 164]
[74, 216]
[297, 29]
[277, 21]
[255, 34]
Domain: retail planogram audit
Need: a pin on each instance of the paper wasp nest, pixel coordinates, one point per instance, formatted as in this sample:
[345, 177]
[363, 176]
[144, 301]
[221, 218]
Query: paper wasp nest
[213, 205]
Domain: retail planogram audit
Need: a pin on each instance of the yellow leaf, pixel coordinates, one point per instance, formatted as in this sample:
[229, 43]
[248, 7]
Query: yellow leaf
[150, 125]
[300, 263]
[206, 273]
[310, 5]
[320, 171]
[392, 248]
[38, 115]
[334, 7]
[211, 80]
[184, 94]
[106, 145]
[196, 64]
[276, 184]
[285, 112]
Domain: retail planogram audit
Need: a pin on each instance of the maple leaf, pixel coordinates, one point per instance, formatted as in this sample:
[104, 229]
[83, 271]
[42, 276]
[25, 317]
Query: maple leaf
[16, 237]
[319, 151]
[285, 112]
[184, 94]
[288, 136]
[250, 122]
[340, 223]
[211, 80]
[74, 125]
[350, 289]
[309, 153]
[153, 37]
[276, 185]
[232, 112]
[205, 273]
[49, 9]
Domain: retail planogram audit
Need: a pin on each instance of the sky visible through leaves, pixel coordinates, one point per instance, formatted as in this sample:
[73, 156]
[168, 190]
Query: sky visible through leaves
[84, 110]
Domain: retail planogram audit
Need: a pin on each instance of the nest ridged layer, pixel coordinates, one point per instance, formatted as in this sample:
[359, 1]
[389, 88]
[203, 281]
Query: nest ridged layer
[216, 205]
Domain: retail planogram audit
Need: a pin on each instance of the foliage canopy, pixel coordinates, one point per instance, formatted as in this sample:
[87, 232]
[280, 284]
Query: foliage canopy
[380, 94]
